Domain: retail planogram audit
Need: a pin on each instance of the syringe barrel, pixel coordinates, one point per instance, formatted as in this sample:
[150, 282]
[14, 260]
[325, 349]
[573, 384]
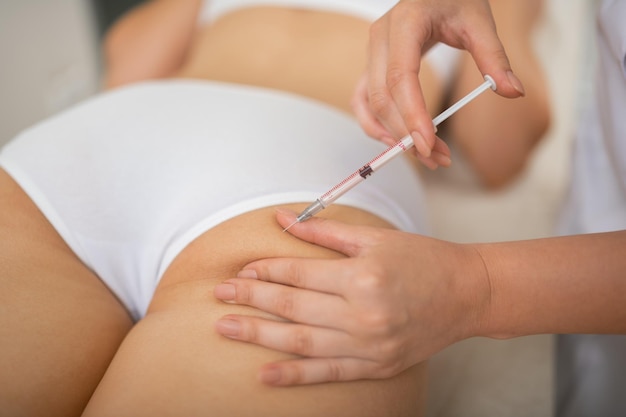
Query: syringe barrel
[340, 189]
[387, 155]
[365, 171]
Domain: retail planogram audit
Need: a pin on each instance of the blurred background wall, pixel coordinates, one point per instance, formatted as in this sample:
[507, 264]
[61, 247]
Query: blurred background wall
[49, 56]
[108, 10]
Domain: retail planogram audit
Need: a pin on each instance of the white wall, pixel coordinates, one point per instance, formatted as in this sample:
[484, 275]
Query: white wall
[48, 59]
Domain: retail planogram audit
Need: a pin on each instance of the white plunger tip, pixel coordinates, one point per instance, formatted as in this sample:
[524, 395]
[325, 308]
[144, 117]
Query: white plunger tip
[491, 82]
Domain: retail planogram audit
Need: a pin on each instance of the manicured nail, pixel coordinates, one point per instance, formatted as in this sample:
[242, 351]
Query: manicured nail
[420, 144]
[270, 375]
[225, 292]
[228, 327]
[442, 160]
[430, 164]
[282, 210]
[247, 273]
[516, 83]
[388, 140]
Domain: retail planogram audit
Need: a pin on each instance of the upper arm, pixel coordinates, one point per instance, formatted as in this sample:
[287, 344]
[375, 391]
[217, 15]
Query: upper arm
[150, 41]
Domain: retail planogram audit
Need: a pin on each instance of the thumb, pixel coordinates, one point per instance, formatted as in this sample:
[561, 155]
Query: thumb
[491, 59]
[495, 63]
[341, 237]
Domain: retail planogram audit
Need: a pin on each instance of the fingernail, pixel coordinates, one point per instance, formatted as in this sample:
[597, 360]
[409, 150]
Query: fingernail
[227, 327]
[388, 140]
[285, 211]
[420, 144]
[516, 83]
[443, 160]
[225, 292]
[430, 164]
[270, 375]
[247, 273]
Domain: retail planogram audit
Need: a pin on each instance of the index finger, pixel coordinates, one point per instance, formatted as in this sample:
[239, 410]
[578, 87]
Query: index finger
[340, 237]
[490, 57]
[323, 275]
[408, 34]
[476, 32]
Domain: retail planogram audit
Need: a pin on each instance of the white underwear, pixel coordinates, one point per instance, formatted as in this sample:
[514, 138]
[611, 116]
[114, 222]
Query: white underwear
[365, 9]
[131, 177]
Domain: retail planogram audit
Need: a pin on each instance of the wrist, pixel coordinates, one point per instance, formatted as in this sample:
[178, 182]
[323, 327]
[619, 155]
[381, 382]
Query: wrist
[477, 287]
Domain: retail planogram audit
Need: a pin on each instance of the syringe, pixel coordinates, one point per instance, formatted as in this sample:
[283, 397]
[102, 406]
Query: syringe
[405, 143]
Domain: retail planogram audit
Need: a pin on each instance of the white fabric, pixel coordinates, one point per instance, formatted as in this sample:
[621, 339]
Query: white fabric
[366, 9]
[131, 177]
[597, 200]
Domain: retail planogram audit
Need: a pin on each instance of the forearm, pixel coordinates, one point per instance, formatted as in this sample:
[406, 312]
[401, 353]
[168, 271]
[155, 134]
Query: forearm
[573, 284]
[498, 136]
[398, 298]
[151, 41]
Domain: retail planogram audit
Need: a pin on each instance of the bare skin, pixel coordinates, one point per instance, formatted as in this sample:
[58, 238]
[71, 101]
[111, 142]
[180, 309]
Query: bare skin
[496, 136]
[263, 46]
[427, 294]
[571, 284]
[173, 361]
[73, 347]
[65, 326]
[287, 50]
[395, 93]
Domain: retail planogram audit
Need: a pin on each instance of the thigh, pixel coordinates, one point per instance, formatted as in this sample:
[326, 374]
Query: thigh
[173, 363]
[59, 325]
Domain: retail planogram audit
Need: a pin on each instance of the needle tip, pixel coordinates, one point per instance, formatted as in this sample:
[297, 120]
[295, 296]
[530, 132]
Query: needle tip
[288, 227]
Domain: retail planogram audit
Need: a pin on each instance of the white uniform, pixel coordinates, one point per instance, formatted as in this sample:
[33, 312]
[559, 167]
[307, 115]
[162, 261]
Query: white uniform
[597, 200]
[591, 369]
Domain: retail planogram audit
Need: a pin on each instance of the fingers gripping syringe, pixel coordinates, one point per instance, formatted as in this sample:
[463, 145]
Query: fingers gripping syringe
[405, 143]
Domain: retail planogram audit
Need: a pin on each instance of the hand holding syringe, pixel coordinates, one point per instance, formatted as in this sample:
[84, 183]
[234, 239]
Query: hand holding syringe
[405, 143]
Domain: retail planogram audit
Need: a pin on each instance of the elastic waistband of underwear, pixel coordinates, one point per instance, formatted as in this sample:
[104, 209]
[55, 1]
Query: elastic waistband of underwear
[367, 10]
